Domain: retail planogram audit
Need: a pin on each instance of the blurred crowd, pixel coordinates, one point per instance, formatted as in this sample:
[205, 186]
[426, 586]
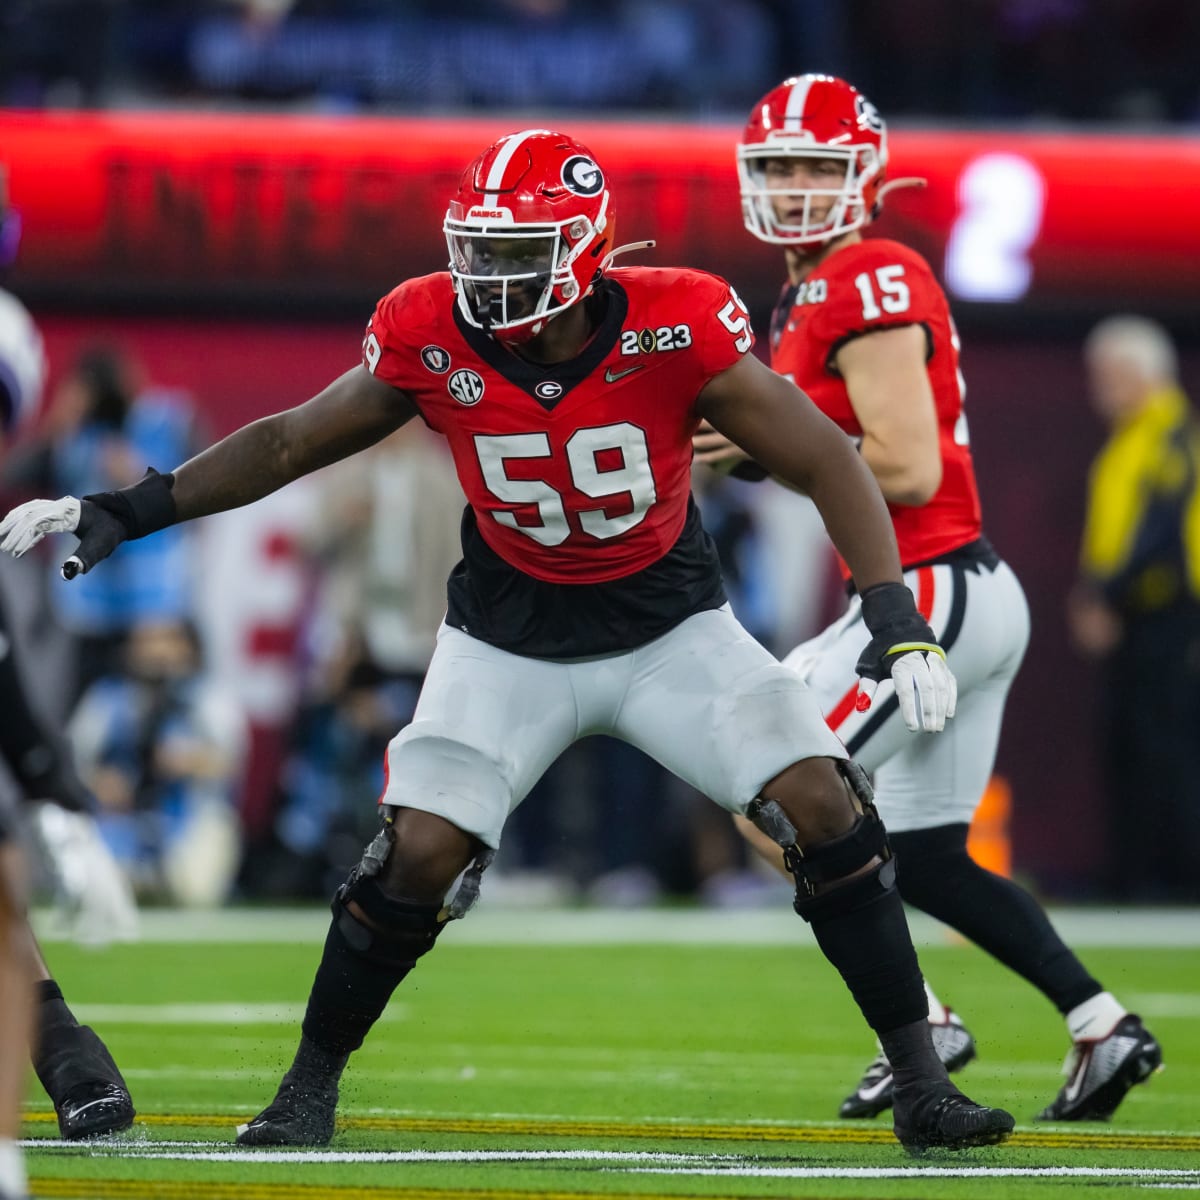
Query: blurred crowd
[977, 60]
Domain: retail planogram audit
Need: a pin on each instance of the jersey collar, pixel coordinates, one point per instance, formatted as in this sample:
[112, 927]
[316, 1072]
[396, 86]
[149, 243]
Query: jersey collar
[609, 303]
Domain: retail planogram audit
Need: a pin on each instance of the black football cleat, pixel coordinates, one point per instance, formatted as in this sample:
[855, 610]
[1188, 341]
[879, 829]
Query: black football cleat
[302, 1114]
[94, 1109]
[955, 1048]
[1100, 1072]
[84, 1085]
[938, 1115]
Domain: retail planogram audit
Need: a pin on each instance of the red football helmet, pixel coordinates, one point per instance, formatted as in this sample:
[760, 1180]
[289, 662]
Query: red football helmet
[817, 117]
[529, 232]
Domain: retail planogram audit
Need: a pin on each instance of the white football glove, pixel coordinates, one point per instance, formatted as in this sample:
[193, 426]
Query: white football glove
[925, 687]
[28, 523]
[95, 900]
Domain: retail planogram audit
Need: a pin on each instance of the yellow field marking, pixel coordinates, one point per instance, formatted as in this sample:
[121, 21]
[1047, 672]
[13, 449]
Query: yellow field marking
[848, 1135]
[136, 1189]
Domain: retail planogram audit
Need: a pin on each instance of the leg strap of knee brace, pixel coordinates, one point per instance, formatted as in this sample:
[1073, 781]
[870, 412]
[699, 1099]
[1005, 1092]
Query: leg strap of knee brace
[847, 898]
[400, 930]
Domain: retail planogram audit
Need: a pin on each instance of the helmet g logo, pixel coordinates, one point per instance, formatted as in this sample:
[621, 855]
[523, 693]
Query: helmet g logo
[868, 115]
[582, 176]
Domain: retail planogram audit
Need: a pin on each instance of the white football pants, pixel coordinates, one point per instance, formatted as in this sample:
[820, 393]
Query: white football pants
[923, 780]
[706, 700]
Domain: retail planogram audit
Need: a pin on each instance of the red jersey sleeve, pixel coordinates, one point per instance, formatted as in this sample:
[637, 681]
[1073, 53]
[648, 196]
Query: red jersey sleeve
[722, 321]
[398, 317]
[877, 284]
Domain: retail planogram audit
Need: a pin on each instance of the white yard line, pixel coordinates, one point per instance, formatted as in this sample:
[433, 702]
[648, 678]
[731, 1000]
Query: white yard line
[634, 1162]
[1185, 1176]
[1129, 927]
[189, 1014]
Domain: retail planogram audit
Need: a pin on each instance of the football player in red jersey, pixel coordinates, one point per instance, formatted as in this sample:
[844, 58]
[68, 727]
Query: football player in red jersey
[589, 598]
[864, 328]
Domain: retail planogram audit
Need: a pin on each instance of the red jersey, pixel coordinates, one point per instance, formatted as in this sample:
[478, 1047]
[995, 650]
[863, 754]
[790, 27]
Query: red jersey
[577, 472]
[881, 284]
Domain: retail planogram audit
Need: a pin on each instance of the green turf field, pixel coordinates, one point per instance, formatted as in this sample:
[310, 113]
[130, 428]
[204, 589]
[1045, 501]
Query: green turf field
[702, 1066]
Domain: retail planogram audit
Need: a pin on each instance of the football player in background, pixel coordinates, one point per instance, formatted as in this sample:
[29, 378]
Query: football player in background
[72, 1063]
[864, 328]
[589, 598]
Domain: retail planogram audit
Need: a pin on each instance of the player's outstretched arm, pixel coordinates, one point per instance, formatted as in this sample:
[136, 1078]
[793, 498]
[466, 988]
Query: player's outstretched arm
[777, 424]
[353, 412]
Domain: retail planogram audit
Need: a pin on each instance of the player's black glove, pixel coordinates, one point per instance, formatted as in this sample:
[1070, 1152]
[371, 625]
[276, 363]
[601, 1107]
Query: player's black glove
[102, 521]
[904, 649]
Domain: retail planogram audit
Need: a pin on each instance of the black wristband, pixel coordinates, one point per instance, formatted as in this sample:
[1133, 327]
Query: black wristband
[142, 508]
[883, 604]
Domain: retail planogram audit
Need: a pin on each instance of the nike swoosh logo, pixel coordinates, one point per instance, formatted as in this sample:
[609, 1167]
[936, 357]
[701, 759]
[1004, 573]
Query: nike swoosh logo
[611, 376]
[1122, 1045]
[876, 1089]
[92, 1104]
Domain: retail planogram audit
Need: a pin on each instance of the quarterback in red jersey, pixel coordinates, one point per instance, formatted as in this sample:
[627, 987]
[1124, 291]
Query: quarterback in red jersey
[864, 329]
[588, 600]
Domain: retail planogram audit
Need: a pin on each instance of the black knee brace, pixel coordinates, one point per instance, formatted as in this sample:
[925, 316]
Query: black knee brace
[827, 862]
[397, 932]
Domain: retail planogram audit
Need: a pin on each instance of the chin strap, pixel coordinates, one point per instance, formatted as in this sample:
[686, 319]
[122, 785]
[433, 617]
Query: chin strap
[913, 181]
[625, 250]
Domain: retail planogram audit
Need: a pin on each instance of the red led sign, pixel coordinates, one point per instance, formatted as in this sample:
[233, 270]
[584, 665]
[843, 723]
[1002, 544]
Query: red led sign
[306, 208]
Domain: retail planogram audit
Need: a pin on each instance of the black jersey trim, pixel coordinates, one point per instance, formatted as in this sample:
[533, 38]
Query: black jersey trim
[608, 305]
[854, 334]
[492, 600]
[972, 556]
[781, 311]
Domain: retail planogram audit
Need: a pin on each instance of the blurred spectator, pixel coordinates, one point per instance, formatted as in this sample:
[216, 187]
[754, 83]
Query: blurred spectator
[103, 429]
[162, 747]
[1137, 608]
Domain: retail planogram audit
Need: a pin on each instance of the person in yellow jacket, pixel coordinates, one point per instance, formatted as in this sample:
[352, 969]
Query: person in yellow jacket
[1136, 606]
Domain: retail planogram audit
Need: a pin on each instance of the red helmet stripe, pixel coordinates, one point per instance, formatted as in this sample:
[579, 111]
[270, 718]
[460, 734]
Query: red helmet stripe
[495, 179]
